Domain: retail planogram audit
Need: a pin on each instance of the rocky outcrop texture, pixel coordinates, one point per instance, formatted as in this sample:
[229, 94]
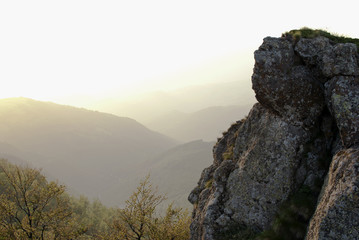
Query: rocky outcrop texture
[337, 214]
[290, 170]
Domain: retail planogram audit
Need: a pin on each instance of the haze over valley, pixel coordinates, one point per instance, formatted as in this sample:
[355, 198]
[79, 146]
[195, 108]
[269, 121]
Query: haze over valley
[99, 94]
[104, 156]
[188, 113]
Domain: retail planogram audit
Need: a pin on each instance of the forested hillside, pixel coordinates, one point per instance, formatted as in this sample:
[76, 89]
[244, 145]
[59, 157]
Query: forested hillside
[31, 207]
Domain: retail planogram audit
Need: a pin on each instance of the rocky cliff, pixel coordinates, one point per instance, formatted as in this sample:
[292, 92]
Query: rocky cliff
[290, 170]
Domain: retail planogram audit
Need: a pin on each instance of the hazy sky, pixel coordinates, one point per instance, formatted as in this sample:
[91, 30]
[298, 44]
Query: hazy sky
[54, 50]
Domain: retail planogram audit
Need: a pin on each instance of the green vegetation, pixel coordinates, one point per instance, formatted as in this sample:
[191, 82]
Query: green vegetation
[313, 33]
[236, 231]
[290, 222]
[93, 216]
[293, 216]
[209, 183]
[139, 220]
[228, 154]
[33, 208]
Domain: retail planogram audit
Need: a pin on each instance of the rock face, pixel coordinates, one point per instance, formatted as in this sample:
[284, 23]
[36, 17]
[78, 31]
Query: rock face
[337, 214]
[268, 174]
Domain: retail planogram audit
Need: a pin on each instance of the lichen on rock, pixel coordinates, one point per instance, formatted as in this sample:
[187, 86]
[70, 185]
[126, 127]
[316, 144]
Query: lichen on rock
[307, 111]
[337, 214]
[342, 94]
[283, 85]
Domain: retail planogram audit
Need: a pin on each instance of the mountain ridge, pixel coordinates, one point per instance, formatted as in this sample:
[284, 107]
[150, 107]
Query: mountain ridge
[68, 142]
[149, 106]
[207, 124]
[94, 154]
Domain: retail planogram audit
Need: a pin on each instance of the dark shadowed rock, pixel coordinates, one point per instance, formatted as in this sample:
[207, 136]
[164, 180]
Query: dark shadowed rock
[286, 88]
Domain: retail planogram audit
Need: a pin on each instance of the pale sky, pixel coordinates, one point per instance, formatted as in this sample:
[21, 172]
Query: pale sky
[57, 50]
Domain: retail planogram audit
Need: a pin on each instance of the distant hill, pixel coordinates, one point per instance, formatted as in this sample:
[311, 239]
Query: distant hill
[206, 124]
[148, 107]
[12, 154]
[87, 150]
[177, 171]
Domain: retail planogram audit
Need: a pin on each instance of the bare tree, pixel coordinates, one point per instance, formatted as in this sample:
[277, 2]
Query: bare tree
[139, 221]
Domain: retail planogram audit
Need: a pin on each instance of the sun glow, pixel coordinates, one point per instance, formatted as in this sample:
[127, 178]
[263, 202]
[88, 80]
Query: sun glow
[70, 49]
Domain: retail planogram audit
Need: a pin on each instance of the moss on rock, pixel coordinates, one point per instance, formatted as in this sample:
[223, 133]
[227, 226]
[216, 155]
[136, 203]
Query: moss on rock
[306, 32]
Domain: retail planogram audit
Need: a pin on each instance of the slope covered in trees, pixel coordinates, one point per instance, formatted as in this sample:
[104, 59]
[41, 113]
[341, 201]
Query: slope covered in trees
[31, 207]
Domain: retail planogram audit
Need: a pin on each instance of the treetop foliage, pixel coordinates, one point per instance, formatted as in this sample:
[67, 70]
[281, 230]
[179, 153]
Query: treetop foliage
[33, 208]
[139, 219]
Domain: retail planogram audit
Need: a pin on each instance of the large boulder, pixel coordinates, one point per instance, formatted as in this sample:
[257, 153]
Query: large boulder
[269, 168]
[283, 85]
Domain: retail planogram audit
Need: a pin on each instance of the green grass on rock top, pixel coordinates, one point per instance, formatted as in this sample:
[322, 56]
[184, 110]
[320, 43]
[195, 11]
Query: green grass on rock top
[313, 33]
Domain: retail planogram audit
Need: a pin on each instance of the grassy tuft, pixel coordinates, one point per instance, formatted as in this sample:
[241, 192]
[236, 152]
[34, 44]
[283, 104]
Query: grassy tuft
[229, 153]
[305, 32]
[209, 183]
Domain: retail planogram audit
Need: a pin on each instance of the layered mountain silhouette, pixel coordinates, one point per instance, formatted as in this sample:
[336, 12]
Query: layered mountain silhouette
[97, 154]
[174, 171]
[207, 124]
[189, 113]
[88, 151]
[149, 107]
